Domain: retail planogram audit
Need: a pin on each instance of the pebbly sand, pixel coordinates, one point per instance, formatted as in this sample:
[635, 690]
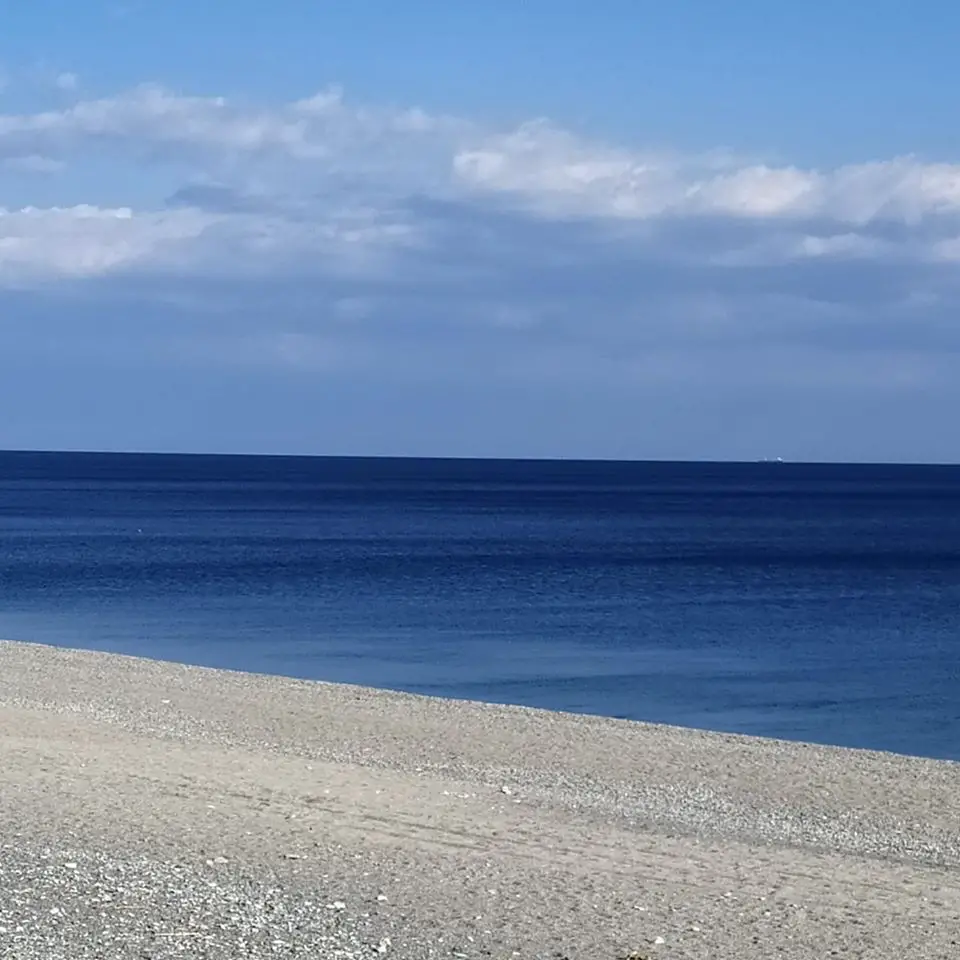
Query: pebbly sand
[152, 810]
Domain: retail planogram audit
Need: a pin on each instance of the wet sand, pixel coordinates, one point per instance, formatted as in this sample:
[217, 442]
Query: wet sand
[154, 810]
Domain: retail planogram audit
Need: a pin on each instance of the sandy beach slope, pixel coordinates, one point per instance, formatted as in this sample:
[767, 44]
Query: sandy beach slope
[153, 810]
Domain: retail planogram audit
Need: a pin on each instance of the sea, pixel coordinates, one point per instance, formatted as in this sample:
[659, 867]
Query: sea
[813, 602]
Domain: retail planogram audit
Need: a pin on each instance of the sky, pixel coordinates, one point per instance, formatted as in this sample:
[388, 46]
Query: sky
[617, 229]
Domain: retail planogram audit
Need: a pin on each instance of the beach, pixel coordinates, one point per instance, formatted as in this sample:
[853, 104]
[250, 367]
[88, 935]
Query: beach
[155, 810]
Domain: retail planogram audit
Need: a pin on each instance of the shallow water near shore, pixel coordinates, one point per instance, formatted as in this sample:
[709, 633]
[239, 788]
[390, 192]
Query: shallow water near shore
[810, 602]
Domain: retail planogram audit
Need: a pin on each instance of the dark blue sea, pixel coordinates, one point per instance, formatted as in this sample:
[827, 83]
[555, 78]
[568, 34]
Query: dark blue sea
[811, 602]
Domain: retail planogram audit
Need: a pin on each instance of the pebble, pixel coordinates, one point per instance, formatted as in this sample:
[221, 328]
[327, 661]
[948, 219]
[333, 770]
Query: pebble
[84, 906]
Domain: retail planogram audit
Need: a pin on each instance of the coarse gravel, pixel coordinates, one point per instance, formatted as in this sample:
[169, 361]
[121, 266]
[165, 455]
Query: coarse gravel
[157, 810]
[76, 905]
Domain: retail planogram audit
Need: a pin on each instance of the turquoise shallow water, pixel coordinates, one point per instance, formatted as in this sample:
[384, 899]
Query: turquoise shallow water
[813, 602]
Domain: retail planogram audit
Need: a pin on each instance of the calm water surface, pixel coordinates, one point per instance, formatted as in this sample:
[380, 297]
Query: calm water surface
[813, 602]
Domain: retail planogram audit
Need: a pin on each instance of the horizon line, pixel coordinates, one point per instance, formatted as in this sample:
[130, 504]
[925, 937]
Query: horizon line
[771, 461]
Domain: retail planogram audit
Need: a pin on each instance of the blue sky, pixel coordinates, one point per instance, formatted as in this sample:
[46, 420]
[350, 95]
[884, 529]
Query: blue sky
[617, 229]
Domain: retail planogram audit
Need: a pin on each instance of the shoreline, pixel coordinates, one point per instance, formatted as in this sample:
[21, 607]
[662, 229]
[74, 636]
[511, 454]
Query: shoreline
[608, 834]
[399, 690]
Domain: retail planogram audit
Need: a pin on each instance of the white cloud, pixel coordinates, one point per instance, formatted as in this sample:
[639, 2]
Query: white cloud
[562, 174]
[783, 247]
[66, 81]
[321, 133]
[87, 241]
[152, 115]
[394, 219]
[539, 165]
[757, 191]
